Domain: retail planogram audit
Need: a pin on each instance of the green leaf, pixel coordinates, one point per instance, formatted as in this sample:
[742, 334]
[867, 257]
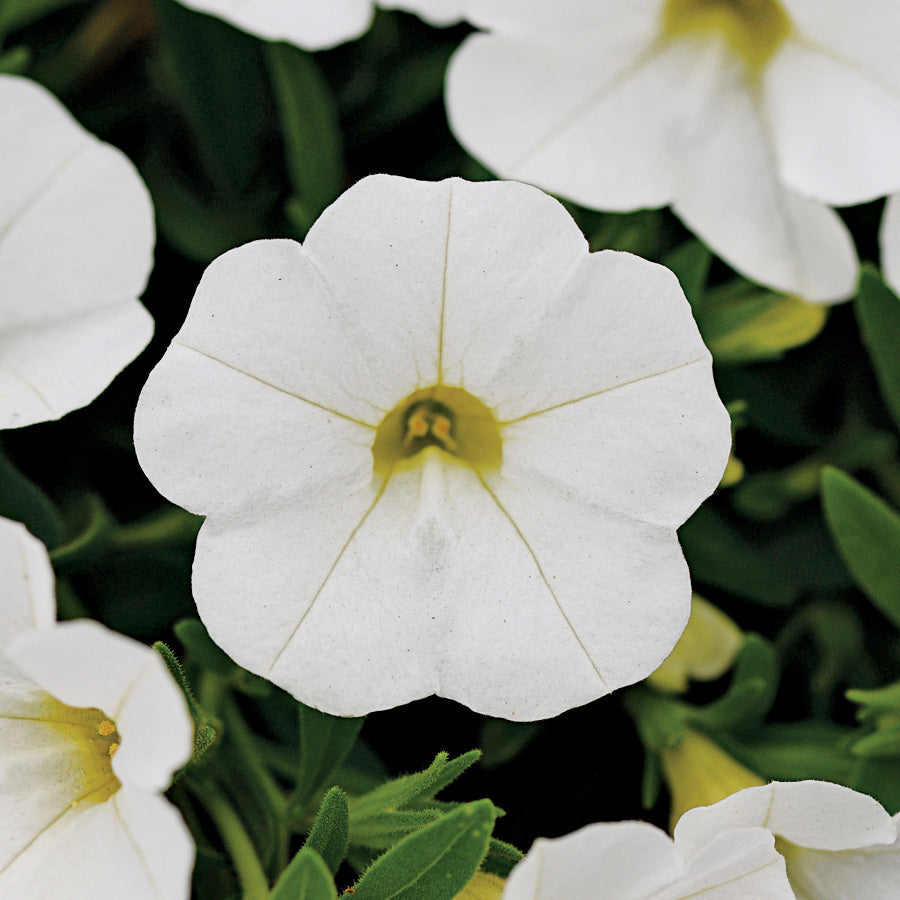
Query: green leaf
[306, 878]
[93, 537]
[434, 863]
[878, 313]
[21, 499]
[310, 129]
[501, 741]
[501, 857]
[867, 533]
[330, 833]
[325, 742]
[382, 830]
[18, 13]
[201, 648]
[752, 325]
[690, 261]
[14, 61]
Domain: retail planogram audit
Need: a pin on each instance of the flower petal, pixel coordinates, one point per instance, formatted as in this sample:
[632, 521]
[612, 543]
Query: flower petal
[310, 24]
[729, 193]
[433, 591]
[814, 814]
[625, 860]
[76, 241]
[889, 241]
[84, 664]
[133, 845]
[566, 117]
[26, 585]
[872, 872]
[814, 100]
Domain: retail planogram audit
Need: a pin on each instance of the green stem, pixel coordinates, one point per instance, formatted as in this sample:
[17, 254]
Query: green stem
[254, 884]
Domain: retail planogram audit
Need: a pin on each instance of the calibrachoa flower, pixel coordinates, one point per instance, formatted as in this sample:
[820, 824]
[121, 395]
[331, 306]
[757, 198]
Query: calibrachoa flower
[747, 116]
[76, 246]
[838, 844]
[441, 448]
[91, 729]
[637, 861]
[314, 24]
[889, 238]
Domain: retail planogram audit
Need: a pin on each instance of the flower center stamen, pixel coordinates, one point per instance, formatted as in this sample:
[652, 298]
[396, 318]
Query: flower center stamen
[754, 29]
[448, 418]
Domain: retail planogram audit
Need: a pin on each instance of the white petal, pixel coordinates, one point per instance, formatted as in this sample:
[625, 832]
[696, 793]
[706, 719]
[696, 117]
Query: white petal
[625, 860]
[729, 193]
[26, 584]
[566, 117]
[742, 863]
[134, 845]
[310, 24]
[83, 664]
[867, 39]
[835, 127]
[813, 814]
[434, 592]
[889, 241]
[871, 872]
[437, 12]
[213, 438]
[607, 21]
[76, 242]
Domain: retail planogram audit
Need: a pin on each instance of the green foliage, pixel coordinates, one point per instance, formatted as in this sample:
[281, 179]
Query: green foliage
[330, 835]
[878, 312]
[435, 862]
[306, 878]
[21, 499]
[867, 533]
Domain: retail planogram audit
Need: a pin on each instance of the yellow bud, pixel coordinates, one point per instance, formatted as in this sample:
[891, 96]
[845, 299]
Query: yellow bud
[700, 773]
[483, 886]
[705, 651]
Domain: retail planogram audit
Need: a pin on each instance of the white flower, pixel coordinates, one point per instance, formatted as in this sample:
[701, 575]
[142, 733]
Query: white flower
[442, 449]
[889, 239]
[76, 246]
[838, 844]
[637, 861]
[91, 729]
[747, 116]
[318, 24]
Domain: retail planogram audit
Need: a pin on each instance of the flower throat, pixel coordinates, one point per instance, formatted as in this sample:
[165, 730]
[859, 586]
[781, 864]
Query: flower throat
[754, 29]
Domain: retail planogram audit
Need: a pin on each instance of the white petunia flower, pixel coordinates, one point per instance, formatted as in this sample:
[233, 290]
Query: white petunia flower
[837, 843]
[76, 246]
[749, 117]
[889, 240]
[442, 449]
[637, 861]
[318, 25]
[91, 729]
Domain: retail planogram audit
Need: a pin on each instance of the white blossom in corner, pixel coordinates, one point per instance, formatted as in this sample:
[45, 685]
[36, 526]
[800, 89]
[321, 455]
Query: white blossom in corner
[92, 728]
[751, 118]
[441, 449]
[889, 240]
[76, 246]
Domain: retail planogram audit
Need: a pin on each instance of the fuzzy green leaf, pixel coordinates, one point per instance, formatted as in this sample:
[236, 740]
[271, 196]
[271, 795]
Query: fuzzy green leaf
[306, 878]
[330, 833]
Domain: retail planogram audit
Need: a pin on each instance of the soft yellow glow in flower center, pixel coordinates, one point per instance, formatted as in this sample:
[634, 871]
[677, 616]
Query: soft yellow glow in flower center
[93, 740]
[448, 418]
[754, 29]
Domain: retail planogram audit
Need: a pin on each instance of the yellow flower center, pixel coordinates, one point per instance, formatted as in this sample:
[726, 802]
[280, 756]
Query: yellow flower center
[93, 740]
[754, 29]
[448, 418]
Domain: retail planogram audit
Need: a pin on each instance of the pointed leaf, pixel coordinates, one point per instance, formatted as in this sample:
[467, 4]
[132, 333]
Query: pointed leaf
[331, 831]
[306, 878]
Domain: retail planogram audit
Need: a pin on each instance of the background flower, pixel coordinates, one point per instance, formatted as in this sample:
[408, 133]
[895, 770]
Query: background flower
[748, 119]
[314, 25]
[92, 728]
[520, 586]
[889, 238]
[637, 861]
[76, 246]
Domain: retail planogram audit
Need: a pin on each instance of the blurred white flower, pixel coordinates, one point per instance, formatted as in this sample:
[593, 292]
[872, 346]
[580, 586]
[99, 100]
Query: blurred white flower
[637, 861]
[889, 239]
[76, 246]
[91, 729]
[837, 843]
[314, 24]
[749, 117]
[441, 448]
